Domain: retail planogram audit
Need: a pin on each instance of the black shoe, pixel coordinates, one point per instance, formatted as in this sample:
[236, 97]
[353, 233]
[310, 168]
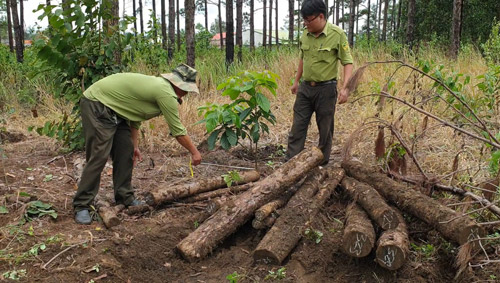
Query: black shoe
[136, 202]
[83, 217]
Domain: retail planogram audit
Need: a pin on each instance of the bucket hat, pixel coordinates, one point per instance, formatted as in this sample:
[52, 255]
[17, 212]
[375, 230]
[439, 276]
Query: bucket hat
[183, 77]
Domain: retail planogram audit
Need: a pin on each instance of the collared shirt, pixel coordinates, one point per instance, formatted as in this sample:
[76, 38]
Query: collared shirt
[138, 97]
[321, 54]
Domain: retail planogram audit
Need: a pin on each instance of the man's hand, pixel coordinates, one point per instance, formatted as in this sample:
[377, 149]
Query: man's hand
[196, 158]
[343, 95]
[137, 156]
[294, 88]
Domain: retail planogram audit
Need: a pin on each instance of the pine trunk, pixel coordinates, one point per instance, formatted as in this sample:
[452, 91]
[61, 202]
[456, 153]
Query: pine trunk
[232, 215]
[17, 31]
[304, 205]
[371, 201]
[171, 28]
[359, 235]
[164, 194]
[451, 224]
[393, 246]
[229, 34]
[189, 6]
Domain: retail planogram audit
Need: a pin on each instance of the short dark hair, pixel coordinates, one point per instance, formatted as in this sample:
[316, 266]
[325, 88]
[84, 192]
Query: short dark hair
[313, 7]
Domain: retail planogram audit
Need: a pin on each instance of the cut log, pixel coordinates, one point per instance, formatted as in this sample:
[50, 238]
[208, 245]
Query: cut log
[108, 214]
[288, 228]
[359, 235]
[164, 194]
[233, 214]
[265, 223]
[371, 201]
[264, 211]
[393, 246]
[138, 209]
[452, 225]
[217, 193]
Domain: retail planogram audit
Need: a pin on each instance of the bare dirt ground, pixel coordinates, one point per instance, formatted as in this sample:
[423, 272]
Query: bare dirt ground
[142, 248]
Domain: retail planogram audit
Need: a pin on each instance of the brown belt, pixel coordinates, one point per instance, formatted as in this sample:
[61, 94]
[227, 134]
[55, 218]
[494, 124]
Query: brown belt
[313, 84]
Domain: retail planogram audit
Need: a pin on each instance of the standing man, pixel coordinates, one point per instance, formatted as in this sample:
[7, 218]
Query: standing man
[112, 110]
[322, 47]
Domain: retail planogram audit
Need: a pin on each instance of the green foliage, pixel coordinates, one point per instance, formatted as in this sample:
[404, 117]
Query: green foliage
[3, 210]
[313, 235]
[39, 209]
[80, 52]
[277, 275]
[233, 277]
[426, 251]
[245, 117]
[14, 274]
[230, 177]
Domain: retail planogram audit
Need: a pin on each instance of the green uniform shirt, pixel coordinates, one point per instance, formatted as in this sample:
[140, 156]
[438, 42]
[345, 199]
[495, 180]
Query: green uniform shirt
[321, 54]
[137, 98]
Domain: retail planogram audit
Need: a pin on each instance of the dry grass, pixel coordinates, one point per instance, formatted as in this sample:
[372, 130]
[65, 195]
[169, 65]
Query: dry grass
[435, 150]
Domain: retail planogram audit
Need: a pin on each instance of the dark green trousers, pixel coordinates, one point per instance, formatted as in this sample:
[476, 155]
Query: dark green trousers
[320, 100]
[106, 134]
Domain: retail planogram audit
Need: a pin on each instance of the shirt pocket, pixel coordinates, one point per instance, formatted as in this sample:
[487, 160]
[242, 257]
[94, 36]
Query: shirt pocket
[306, 49]
[326, 54]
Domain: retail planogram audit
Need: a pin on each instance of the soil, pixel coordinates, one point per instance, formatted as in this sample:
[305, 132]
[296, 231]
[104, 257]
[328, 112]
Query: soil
[142, 247]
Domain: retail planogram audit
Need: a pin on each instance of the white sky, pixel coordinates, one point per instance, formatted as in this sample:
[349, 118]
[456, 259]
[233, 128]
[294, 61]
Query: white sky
[31, 18]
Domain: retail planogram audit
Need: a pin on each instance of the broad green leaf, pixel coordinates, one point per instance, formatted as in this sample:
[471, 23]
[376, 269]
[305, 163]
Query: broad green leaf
[224, 142]
[263, 102]
[231, 137]
[212, 139]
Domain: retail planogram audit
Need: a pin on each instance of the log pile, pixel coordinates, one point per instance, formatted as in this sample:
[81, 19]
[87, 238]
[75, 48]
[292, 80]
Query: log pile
[284, 204]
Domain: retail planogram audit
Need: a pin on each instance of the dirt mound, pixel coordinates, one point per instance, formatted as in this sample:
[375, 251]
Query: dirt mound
[11, 137]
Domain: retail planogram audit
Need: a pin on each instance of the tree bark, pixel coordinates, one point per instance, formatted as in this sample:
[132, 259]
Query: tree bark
[270, 23]
[220, 26]
[239, 28]
[21, 20]
[351, 23]
[393, 246]
[384, 24]
[141, 16]
[17, 31]
[108, 214]
[154, 21]
[252, 28]
[276, 24]
[171, 28]
[164, 38]
[218, 193]
[134, 14]
[178, 18]
[410, 29]
[189, 7]
[451, 224]
[264, 211]
[164, 194]
[232, 215]
[368, 198]
[264, 223]
[264, 18]
[304, 205]
[229, 34]
[9, 26]
[337, 12]
[368, 21]
[359, 235]
[206, 15]
[291, 20]
[456, 28]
